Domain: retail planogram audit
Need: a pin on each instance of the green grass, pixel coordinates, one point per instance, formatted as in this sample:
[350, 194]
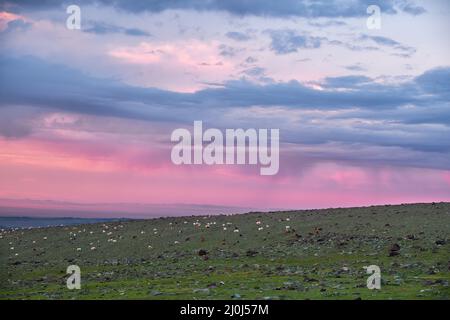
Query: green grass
[321, 257]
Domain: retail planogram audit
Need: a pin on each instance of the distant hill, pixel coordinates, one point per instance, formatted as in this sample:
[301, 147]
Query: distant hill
[33, 222]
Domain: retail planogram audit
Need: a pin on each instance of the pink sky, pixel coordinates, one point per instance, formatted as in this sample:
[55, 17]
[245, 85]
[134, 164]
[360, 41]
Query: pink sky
[88, 172]
[86, 115]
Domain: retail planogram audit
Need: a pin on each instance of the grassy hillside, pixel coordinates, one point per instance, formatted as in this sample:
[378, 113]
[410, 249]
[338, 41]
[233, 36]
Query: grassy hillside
[315, 254]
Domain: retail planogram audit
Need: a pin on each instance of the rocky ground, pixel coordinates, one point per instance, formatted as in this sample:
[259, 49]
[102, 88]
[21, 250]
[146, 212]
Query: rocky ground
[314, 254]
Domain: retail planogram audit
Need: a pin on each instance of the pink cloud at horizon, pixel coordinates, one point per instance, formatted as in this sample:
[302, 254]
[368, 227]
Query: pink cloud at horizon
[35, 169]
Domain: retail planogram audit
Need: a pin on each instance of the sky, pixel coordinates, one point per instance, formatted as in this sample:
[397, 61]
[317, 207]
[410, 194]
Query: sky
[86, 115]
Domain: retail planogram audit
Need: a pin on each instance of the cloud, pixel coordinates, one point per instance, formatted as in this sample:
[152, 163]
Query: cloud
[254, 72]
[281, 8]
[229, 51]
[105, 28]
[238, 36]
[404, 51]
[29, 80]
[436, 81]
[15, 122]
[413, 115]
[251, 60]
[355, 67]
[355, 119]
[325, 24]
[6, 17]
[346, 81]
[381, 40]
[294, 94]
[288, 41]
[16, 25]
[412, 9]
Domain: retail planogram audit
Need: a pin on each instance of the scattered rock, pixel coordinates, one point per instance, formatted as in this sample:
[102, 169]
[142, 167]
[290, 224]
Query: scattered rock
[394, 250]
[251, 253]
[307, 279]
[291, 285]
[202, 291]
